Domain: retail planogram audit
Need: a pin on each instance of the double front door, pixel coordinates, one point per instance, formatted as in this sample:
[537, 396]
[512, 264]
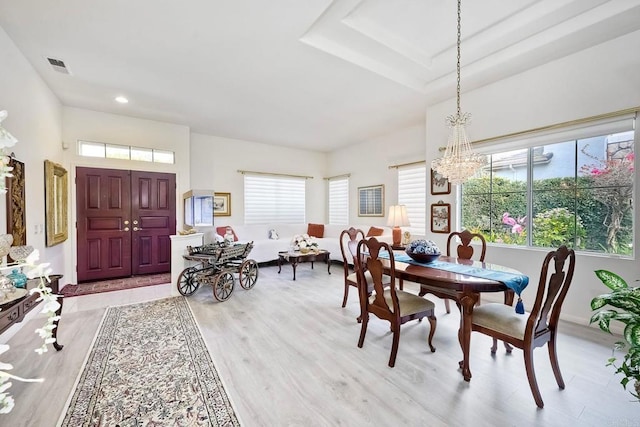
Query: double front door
[124, 220]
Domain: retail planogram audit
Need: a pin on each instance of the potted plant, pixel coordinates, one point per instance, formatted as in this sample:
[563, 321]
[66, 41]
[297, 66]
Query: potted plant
[627, 302]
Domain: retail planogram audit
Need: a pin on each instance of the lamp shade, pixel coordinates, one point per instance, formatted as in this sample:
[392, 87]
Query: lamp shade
[398, 216]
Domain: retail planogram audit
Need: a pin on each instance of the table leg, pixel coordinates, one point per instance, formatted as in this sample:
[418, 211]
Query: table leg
[328, 264]
[279, 264]
[54, 333]
[467, 302]
[294, 264]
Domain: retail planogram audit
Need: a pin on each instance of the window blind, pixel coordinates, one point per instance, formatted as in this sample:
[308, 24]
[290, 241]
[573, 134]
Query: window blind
[412, 192]
[274, 200]
[339, 201]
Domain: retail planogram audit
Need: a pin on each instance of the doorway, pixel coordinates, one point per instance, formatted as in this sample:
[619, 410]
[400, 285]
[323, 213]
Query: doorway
[124, 220]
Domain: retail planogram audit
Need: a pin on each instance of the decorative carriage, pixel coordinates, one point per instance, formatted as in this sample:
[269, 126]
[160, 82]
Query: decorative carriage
[216, 264]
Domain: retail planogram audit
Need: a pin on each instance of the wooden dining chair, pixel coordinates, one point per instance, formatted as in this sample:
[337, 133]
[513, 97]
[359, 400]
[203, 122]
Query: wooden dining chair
[348, 246]
[540, 326]
[386, 302]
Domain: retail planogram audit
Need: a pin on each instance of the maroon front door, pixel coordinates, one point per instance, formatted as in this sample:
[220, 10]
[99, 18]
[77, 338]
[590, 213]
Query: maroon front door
[124, 222]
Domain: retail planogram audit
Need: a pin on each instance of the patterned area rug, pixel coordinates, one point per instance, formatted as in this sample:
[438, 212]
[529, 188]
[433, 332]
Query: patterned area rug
[149, 366]
[116, 284]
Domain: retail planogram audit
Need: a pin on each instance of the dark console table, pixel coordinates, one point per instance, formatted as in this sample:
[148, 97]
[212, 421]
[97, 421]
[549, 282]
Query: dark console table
[14, 311]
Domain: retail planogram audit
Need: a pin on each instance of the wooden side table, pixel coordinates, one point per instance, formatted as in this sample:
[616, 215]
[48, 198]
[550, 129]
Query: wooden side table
[297, 257]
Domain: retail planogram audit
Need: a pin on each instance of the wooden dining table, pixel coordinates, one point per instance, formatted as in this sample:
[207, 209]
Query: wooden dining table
[466, 289]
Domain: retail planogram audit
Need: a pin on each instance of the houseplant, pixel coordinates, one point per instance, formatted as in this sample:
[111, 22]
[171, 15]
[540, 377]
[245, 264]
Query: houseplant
[627, 302]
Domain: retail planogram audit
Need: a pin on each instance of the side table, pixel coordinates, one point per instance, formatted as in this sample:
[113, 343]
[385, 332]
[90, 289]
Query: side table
[297, 257]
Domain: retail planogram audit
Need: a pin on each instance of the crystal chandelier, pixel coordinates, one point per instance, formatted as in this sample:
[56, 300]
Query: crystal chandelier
[459, 162]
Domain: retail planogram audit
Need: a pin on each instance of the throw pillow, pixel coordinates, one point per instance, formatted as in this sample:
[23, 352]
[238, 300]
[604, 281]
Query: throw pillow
[223, 230]
[273, 234]
[315, 230]
[375, 232]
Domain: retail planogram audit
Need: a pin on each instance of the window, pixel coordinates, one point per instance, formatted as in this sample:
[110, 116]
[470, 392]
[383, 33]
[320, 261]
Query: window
[572, 191]
[124, 152]
[339, 201]
[412, 190]
[274, 199]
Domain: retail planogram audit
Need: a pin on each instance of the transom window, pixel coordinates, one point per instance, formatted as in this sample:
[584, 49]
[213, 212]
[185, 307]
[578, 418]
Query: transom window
[124, 152]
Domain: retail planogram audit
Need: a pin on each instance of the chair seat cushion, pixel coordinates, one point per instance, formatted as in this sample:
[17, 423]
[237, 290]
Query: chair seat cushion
[353, 277]
[409, 303]
[500, 318]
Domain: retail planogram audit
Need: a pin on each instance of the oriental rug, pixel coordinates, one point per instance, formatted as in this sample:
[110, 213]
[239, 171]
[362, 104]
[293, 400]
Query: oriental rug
[149, 365]
[115, 284]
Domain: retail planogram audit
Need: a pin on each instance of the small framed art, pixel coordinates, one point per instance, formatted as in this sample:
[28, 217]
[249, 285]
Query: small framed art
[371, 200]
[439, 184]
[440, 217]
[222, 204]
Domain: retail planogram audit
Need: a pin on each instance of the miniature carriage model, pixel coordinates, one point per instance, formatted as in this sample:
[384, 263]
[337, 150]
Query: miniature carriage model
[215, 265]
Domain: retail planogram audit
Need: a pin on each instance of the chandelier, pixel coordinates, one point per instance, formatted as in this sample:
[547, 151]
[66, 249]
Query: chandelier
[459, 162]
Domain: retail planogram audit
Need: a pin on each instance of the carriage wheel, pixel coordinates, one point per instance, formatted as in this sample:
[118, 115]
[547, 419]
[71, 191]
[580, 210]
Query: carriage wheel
[187, 284]
[248, 274]
[223, 286]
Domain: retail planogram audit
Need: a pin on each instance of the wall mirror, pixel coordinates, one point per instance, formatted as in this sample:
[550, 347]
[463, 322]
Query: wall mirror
[56, 185]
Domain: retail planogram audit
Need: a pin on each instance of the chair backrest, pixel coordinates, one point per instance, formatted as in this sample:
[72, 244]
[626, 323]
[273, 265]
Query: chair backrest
[348, 245]
[464, 249]
[368, 253]
[552, 290]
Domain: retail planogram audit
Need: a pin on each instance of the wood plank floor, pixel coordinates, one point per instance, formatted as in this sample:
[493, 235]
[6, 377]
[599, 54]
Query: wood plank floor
[286, 352]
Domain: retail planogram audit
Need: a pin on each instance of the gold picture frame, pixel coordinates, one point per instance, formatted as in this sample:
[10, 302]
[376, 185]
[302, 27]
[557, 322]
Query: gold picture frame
[371, 200]
[222, 204]
[56, 187]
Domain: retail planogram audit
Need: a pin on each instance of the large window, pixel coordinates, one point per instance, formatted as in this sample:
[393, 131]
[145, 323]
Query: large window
[339, 200]
[274, 199]
[412, 190]
[577, 192]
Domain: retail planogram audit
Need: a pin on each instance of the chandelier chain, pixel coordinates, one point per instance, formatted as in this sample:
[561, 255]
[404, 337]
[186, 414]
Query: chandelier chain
[458, 60]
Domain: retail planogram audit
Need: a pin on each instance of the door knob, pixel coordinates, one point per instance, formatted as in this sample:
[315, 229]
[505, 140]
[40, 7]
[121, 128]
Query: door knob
[126, 229]
[135, 229]
[126, 222]
[135, 221]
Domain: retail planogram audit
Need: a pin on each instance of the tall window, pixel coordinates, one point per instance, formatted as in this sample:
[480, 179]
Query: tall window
[274, 199]
[577, 192]
[339, 201]
[412, 190]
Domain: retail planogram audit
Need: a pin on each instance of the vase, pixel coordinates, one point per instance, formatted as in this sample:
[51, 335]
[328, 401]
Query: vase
[304, 250]
[18, 278]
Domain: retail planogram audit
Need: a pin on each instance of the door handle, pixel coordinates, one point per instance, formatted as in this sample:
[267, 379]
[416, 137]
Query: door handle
[136, 228]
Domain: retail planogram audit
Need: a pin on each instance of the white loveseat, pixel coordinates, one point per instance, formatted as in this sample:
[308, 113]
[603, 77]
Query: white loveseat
[266, 249]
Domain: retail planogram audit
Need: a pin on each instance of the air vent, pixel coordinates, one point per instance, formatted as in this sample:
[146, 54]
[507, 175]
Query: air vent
[58, 65]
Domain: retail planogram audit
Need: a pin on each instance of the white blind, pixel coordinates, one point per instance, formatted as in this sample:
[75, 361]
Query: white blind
[339, 201]
[274, 199]
[412, 192]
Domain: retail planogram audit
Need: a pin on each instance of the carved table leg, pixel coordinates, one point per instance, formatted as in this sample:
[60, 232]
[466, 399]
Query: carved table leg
[279, 264]
[54, 333]
[294, 264]
[328, 263]
[467, 302]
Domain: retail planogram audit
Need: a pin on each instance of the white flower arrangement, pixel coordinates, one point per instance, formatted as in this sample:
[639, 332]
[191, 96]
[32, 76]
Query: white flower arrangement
[49, 307]
[301, 241]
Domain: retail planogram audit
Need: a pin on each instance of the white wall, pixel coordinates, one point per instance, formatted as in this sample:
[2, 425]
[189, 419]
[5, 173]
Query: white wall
[598, 80]
[86, 125]
[215, 162]
[35, 120]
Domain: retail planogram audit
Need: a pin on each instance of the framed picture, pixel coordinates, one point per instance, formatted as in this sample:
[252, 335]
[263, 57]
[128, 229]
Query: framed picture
[222, 204]
[56, 187]
[16, 215]
[440, 217]
[439, 184]
[371, 200]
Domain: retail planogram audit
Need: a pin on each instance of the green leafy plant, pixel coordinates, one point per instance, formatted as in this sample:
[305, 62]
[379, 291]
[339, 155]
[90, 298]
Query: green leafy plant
[627, 302]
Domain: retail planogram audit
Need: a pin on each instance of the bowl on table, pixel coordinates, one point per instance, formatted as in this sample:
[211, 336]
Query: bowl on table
[424, 251]
[423, 258]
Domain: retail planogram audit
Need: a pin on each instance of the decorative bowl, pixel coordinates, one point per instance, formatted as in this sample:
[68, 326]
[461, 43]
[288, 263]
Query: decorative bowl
[423, 258]
[305, 250]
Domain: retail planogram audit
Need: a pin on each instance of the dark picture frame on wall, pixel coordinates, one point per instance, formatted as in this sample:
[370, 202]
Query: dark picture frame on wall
[371, 200]
[439, 184]
[441, 217]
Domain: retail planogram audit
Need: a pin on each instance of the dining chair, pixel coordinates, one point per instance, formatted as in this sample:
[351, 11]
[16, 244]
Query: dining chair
[348, 245]
[540, 326]
[385, 301]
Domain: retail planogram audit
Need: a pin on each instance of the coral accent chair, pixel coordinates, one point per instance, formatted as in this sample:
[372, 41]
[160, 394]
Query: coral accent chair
[385, 301]
[540, 326]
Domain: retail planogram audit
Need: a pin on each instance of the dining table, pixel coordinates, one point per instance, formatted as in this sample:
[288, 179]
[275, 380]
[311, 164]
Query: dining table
[463, 285]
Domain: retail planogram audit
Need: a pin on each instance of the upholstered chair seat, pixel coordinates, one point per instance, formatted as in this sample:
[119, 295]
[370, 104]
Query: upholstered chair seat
[501, 318]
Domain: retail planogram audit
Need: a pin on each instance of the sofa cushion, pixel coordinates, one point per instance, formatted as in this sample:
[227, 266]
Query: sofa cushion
[375, 232]
[315, 230]
[223, 230]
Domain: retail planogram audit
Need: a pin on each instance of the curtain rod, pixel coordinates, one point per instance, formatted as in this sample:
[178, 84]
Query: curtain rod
[273, 174]
[407, 164]
[344, 175]
[555, 126]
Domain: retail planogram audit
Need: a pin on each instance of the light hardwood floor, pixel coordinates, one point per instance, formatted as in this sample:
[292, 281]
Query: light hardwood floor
[286, 352]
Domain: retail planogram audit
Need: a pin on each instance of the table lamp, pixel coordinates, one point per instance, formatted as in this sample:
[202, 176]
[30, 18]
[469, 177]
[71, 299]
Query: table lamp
[397, 218]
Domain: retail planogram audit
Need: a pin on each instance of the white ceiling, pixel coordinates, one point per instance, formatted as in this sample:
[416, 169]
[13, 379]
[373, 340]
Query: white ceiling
[315, 74]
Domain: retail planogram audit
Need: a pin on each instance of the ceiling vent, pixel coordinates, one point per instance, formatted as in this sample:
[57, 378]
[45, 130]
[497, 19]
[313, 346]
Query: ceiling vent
[58, 65]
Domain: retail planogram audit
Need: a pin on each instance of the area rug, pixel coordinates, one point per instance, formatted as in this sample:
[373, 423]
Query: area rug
[149, 365]
[116, 284]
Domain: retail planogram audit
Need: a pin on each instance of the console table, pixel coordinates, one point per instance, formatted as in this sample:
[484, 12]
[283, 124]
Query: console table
[14, 311]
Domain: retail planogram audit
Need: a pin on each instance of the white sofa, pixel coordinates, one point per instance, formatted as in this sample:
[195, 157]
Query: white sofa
[265, 249]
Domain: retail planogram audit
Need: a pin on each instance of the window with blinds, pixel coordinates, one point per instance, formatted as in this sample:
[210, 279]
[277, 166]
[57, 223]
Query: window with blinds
[274, 199]
[412, 192]
[339, 201]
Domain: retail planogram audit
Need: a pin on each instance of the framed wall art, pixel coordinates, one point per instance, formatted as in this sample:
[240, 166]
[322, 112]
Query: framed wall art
[439, 184]
[222, 204]
[371, 200]
[16, 222]
[441, 217]
[56, 187]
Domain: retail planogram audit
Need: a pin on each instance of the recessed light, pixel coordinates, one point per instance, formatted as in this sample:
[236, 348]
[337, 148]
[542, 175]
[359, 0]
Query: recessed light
[121, 100]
